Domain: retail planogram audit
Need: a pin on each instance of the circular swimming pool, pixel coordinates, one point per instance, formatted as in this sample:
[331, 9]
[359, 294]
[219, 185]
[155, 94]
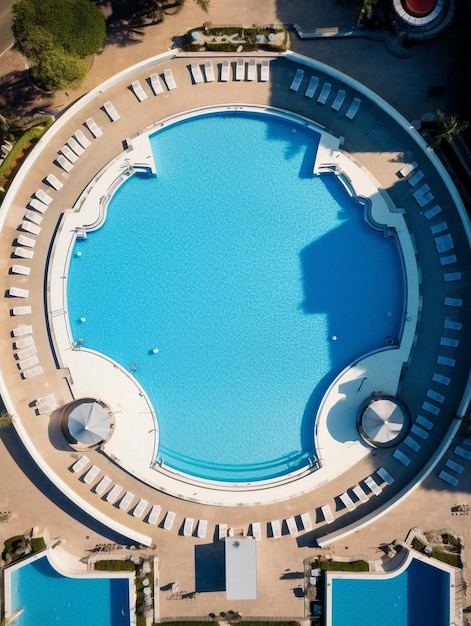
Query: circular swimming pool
[235, 285]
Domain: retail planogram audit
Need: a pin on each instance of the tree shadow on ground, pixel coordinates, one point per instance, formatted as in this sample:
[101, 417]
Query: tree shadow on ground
[18, 97]
[124, 34]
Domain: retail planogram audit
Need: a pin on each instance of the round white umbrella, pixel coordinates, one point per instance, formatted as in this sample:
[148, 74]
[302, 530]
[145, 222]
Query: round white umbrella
[383, 420]
[89, 423]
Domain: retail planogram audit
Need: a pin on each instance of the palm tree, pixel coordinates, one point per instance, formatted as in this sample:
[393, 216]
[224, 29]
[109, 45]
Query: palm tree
[5, 420]
[447, 127]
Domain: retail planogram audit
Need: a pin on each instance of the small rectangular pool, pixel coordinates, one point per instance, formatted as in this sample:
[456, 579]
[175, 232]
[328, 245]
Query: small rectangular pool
[419, 593]
[46, 596]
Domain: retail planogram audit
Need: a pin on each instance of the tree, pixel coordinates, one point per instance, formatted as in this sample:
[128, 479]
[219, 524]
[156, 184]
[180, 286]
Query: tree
[5, 419]
[447, 127]
[77, 26]
[57, 69]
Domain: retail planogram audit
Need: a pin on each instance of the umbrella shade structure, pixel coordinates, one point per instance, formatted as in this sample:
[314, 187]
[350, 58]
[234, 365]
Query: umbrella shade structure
[89, 423]
[384, 421]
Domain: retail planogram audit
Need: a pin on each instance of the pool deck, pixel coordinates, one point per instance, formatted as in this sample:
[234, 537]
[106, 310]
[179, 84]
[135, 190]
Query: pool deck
[382, 150]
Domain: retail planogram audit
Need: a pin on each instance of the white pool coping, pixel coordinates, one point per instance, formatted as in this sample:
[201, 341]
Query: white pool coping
[134, 442]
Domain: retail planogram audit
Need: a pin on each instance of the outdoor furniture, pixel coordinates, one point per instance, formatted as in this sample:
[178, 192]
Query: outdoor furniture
[20, 269]
[16, 292]
[311, 88]
[251, 70]
[126, 501]
[171, 84]
[225, 68]
[154, 514]
[353, 108]
[91, 474]
[327, 513]
[156, 84]
[276, 529]
[208, 71]
[384, 475]
[202, 528]
[169, 519]
[256, 531]
[63, 163]
[53, 181]
[297, 80]
[111, 111]
[306, 520]
[324, 94]
[138, 90]
[113, 495]
[196, 73]
[80, 463]
[345, 498]
[29, 227]
[188, 526]
[140, 508]
[101, 487]
[265, 70]
[240, 69]
[35, 371]
[292, 527]
[339, 99]
[93, 127]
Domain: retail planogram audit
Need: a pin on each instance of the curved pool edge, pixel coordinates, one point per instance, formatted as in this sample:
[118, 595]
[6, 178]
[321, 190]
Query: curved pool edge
[137, 417]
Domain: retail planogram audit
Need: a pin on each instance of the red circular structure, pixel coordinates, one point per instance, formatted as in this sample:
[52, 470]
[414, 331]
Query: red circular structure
[419, 8]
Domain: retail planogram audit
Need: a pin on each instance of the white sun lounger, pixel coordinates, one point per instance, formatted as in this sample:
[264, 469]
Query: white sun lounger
[140, 507]
[465, 454]
[449, 277]
[169, 519]
[111, 111]
[265, 70]
[156, 84]
[64, 163]
[222, 531]
[202, 528]
[21, 331]
[43, 196]
[33, 217]
[103, 485]
[225, 69]
[432, 212]
[24, 342]
[456, 467]
[444, 243]
[114, 494]
[20, 269]
[16, 292]
[434, 395]
[292, 526]
[138, 90]
[297, 80]
[27, 363]
[26, 352]
[327, 513]
[438, 228]
[453, 302]
[276, 529]
[407, 169]
[423, 421]
[196, 73]
[170, 81]
[401, 457]
[29, 227]
[37, 205]
[53, 181]
[83, 141]
[345, 498]
[311, 88]
[69, 154]
[154, 514]
[209, 71]
[449, 342]
[188, 526]
[251, 70]
[24, 253]
[80, 463]
[126, 501]
[430, 408]
[240, 69]
[372, 485]
[26, 241]
[49, 399]
[306, 520]
[421, 191]
[353, 108]
[35, 371]
[425, 199]
[443, 380]
[444, 360]
[416, 178]
[256, 531]
[451, 480]
[324, 94]
[91, 474]
[76, 147]
[451, 325]
[93, 127]
[412, 443]
[339, 99]
[360, 494]
[384, 475]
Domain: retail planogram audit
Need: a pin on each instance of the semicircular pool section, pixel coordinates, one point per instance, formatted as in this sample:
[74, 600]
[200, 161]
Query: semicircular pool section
[220, 283]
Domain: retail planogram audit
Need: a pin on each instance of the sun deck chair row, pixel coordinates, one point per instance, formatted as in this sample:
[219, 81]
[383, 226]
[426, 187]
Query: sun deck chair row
[25, 355]
[462, 451]
[324, 93]
[155, 84]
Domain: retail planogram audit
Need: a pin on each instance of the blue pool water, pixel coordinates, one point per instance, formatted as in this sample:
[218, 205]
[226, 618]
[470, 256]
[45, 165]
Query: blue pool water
[419, 596]
[238, 265]
[47, 598]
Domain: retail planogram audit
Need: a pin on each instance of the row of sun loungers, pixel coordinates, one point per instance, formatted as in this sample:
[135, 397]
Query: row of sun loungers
[324, 93]
[451, 465]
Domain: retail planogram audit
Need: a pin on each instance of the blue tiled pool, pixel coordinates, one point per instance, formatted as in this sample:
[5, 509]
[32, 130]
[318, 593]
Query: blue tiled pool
[417, 596]
[47, 597]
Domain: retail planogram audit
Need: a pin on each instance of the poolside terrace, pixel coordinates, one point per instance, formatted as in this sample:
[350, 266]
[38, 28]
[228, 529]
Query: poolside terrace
[372, 139]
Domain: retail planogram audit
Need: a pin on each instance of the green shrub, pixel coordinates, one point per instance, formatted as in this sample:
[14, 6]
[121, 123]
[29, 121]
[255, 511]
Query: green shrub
[342, 566]
[112, 565]
[447, 557]
[75, 26]
[451, 540]
[38, 544]
[57, 69]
